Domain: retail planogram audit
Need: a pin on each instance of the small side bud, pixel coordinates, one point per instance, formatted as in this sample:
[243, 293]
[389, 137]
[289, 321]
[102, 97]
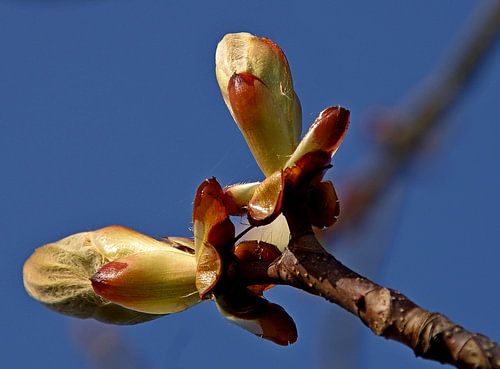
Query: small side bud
[325, 134]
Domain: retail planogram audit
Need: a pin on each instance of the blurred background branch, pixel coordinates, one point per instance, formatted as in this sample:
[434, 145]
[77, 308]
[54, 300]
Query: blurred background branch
[403, 133]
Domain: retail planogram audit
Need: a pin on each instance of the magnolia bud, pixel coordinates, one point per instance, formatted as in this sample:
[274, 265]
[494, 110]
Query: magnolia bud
[256, 84]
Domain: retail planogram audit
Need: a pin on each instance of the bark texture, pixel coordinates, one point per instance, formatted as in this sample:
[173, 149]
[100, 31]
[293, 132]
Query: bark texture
[308, 266]
[386, 312]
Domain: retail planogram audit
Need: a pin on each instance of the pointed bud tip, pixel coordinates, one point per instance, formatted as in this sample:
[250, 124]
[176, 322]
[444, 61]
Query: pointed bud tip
[103, 278]
[338, 116]
[331, 127]
[325, 134]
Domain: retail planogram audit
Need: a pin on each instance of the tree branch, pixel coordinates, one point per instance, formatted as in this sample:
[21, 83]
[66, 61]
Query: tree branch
[308, 266]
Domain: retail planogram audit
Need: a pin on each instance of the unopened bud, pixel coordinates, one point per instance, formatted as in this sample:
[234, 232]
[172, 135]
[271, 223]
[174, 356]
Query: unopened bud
[59, 274]
[156, 282]
[325, 134]
[256, 84]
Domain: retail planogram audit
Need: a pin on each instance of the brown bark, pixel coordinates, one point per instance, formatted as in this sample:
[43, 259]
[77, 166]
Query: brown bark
[308, 266]
[388, 313]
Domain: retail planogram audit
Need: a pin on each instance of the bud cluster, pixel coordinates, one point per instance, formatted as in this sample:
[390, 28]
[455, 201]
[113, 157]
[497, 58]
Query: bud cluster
[120, 276]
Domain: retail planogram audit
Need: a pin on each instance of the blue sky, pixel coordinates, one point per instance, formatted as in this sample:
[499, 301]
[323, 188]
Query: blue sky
[111, 114]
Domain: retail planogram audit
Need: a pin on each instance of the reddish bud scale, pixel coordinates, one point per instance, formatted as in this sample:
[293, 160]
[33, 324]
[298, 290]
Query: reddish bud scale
[325, 134]
[305, 169]
[323, 205]
[247, 99]
[209, 270]
[330, 128]
[310, 168]
[158, 281]
[213, 232]
[221, 235]
[257, 315]
[265, 204]
[269, 133]
[232, 205]
[257, 251]
[267, 200]
[104, 282]
[242, 80]
[277, 325]
[210, 210]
